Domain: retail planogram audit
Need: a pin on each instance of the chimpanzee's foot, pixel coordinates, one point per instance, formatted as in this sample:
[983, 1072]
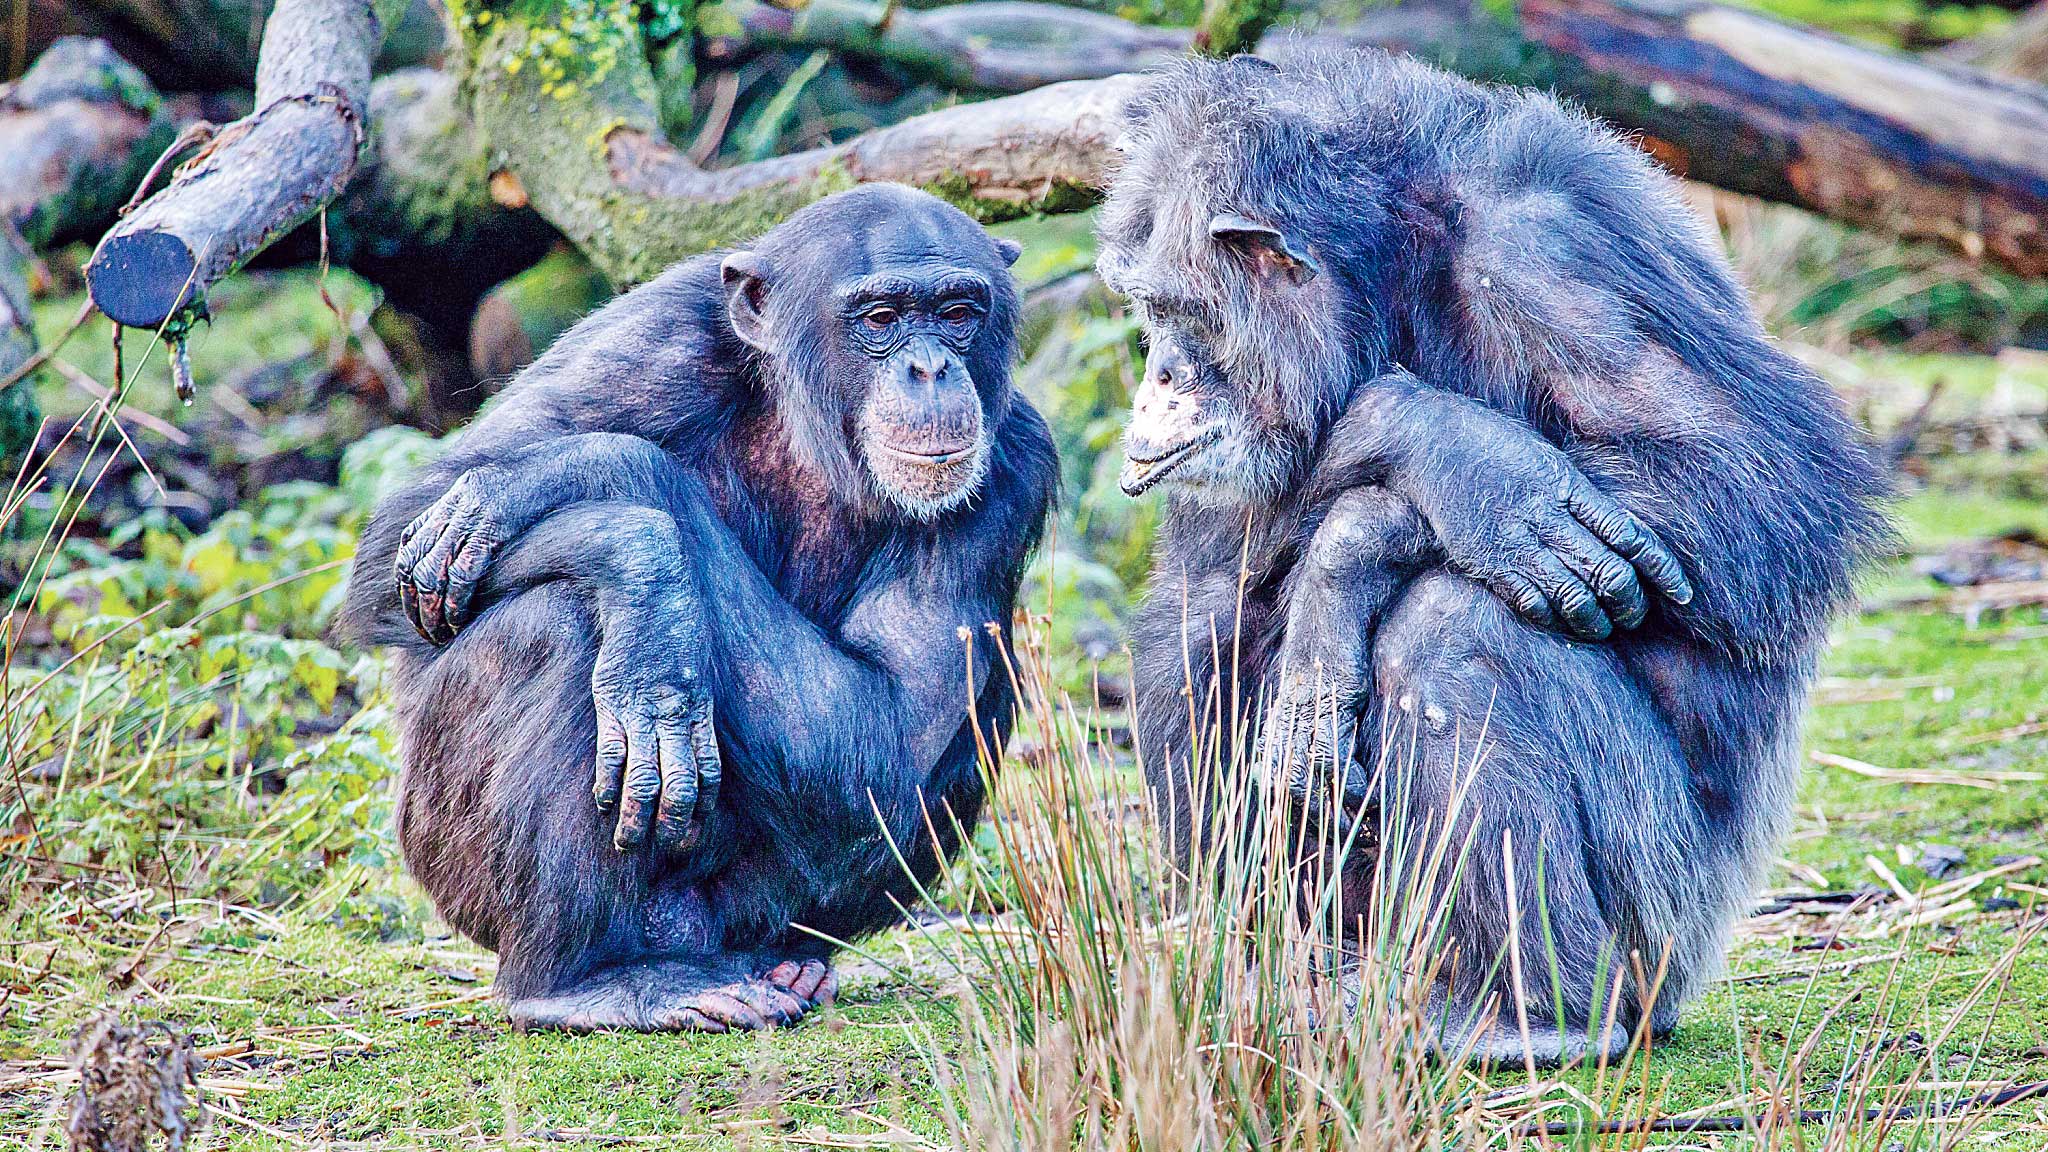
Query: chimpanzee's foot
[812, 981]
[671, 996]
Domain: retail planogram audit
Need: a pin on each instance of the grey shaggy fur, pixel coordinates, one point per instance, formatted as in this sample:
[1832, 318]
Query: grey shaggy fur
[1514, 253]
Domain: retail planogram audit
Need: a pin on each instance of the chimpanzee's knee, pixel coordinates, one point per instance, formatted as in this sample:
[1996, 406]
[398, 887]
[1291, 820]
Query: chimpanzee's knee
[1438, 648]
[1365, 529]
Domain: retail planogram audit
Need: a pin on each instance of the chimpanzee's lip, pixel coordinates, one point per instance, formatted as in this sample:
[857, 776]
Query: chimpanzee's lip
[1139, 475]
[930, 458]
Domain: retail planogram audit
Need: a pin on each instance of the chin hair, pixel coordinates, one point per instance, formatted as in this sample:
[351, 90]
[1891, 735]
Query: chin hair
[1242, 468]
[925, 504]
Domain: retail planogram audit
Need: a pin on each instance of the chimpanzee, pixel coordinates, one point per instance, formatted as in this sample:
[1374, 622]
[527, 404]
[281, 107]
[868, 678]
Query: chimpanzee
[1530, 496]
[689, 630]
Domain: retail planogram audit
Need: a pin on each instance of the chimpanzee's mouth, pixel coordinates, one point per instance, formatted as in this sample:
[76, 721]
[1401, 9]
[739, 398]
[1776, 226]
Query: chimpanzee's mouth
[1140, 475]
[930, 458]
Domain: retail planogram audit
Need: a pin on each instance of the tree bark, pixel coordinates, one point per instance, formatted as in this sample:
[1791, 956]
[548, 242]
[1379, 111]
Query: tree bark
[983, 46]
[76, 134]
[1746, 103]
[261, 177]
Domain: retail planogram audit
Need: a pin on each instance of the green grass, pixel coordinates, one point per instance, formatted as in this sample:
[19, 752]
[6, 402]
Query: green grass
[342, 1050]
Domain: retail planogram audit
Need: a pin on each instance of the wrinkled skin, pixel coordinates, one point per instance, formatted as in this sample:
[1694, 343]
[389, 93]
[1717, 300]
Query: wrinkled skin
[685, 628]
[1508, 516]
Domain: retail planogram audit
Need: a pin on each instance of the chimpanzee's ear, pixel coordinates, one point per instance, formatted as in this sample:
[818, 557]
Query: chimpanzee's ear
[746, 292]
[1008, 249]
[1268, 248]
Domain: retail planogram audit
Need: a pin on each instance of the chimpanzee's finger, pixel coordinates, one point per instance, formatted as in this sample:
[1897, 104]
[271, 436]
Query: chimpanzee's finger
[412, 545]
[440, 561]
[425, 584]
[704, 749]
[672, 831]
[611, 759]
[414, 541]
[1528, 602]
[465, 573]
[1577, 609]
[409, 602]
[1628, 535]
[1613, 581]
[642, 788]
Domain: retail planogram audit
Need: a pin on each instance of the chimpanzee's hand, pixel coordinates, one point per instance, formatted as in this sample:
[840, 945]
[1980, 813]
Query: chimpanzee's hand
[1512, 511]
[444, 553]
[1368, 545]
[657, 752]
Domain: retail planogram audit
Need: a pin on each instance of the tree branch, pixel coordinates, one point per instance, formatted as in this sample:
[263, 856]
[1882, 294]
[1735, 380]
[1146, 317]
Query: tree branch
[587, 149]
[1753, 105]
[260, 177]
[985, 46]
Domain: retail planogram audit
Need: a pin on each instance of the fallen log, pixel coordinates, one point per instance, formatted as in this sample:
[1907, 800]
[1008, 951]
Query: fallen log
[1744, 102]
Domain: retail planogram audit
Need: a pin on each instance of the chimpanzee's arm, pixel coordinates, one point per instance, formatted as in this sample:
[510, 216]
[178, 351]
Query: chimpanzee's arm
[862, 716]
[831, 717]
[657, 752]
[1369, 544]
[1507, 507]
[445, 552]
[1620, 331]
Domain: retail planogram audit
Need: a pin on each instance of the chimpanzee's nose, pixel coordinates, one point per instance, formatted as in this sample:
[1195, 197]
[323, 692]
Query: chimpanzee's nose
[927, 364]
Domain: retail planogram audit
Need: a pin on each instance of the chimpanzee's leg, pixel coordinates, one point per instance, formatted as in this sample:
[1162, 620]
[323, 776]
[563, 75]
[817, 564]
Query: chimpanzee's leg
[1538, 754]
[498, 819]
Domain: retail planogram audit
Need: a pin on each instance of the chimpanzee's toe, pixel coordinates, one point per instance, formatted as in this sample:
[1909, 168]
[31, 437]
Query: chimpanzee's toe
[811, 981]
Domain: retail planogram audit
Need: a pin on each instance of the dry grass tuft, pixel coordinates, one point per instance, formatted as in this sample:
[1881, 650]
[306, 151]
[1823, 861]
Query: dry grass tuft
[1116, 1006]
[133, 1082]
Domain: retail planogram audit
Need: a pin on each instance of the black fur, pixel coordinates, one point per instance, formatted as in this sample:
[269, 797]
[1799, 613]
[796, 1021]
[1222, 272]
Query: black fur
[665, 513]
[1517, 257]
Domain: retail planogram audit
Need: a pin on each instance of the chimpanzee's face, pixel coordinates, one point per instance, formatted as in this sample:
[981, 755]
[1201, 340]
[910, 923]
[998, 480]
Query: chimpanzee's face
[889, 318]
[1241, 372]
[921, 428]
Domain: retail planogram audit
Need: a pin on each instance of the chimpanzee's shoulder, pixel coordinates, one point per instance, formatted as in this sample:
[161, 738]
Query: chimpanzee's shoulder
[1026, 459]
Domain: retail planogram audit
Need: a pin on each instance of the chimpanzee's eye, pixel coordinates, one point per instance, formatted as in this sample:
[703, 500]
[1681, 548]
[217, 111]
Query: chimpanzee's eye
[957, 313]
[880, 318]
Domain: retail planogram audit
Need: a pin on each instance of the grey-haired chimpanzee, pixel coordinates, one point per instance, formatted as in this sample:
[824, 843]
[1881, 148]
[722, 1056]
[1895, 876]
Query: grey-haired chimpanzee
[688, 627]
[1517, 462]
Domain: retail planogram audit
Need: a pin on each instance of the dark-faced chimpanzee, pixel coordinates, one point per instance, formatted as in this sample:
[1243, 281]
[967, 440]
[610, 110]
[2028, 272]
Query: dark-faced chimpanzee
[1532, 499]
[687, 628]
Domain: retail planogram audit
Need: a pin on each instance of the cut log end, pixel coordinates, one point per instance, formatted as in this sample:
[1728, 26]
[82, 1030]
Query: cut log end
[142, 279]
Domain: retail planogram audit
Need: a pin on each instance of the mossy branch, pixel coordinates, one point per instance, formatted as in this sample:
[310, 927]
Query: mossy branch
[585, 145]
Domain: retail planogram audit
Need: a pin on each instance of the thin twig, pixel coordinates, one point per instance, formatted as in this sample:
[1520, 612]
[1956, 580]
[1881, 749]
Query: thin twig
[40, 358]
